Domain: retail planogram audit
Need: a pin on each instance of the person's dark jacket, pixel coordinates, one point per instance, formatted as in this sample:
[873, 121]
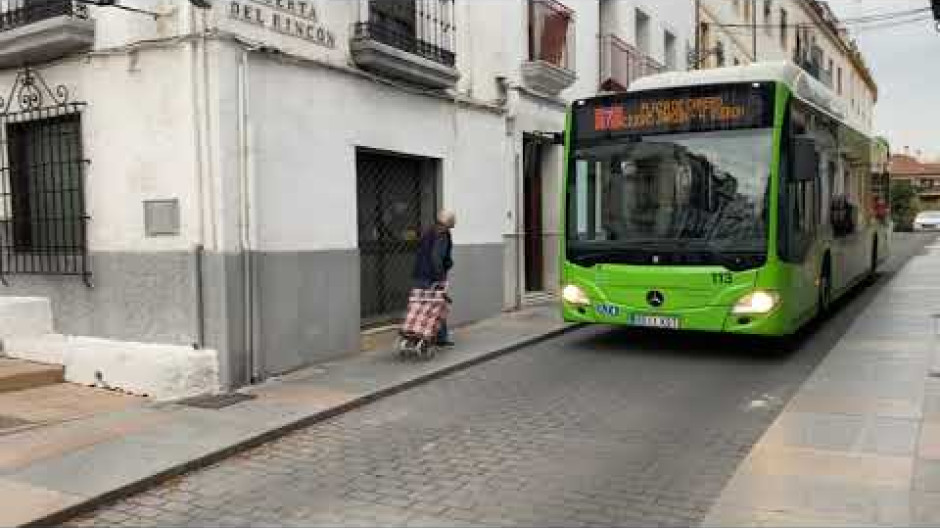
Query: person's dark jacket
[434, 257]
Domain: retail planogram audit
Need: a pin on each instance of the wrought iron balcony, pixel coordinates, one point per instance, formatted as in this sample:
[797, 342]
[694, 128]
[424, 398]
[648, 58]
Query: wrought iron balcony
[39, 30]
[551, 66]
[621, 64]
[408, 39]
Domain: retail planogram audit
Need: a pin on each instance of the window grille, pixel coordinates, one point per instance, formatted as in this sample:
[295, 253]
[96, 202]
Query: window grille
[422, 27]
[42, 168]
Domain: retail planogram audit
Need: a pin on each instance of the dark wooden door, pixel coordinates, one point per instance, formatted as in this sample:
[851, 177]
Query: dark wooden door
[533, 238]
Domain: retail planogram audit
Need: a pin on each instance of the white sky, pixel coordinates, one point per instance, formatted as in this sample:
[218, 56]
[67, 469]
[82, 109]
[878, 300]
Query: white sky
[905, 61]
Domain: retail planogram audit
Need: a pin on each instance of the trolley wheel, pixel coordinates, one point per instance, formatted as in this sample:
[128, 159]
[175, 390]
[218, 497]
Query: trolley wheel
[427, 351]
[406, 347]
[419, 347]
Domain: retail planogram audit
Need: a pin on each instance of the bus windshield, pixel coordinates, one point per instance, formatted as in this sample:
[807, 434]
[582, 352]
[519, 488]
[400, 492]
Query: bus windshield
[698, 197]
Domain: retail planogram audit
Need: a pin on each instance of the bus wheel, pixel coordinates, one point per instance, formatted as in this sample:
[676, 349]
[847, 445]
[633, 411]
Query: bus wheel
[825, 292]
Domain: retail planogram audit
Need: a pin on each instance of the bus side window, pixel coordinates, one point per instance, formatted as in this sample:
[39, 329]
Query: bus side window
[799, 184]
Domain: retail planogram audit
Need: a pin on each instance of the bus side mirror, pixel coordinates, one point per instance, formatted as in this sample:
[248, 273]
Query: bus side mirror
[805, 159]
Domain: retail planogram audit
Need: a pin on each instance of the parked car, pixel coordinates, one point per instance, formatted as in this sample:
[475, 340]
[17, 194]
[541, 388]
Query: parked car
[927, 221]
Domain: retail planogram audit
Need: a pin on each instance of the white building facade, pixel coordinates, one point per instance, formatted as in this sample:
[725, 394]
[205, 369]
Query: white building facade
[607, 44]
[252, 178]
[805, 32]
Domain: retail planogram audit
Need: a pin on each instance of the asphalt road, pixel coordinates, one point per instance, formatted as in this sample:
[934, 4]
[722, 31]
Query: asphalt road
[599, 427]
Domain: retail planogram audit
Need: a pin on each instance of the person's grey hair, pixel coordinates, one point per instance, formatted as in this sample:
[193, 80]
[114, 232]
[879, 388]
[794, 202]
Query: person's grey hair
[446, 218]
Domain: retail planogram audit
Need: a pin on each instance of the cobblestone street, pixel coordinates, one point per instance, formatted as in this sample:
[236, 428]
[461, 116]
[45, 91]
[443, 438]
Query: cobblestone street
[599, 427]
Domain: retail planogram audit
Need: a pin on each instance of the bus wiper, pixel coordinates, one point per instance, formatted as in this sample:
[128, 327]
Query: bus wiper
[630, 251]
[589, 259]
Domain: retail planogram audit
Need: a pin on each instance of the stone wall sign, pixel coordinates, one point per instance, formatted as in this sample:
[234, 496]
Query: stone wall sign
[295, 18]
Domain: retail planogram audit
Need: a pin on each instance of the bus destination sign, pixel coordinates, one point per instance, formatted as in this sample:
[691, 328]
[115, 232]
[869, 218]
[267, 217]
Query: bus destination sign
[696, 109]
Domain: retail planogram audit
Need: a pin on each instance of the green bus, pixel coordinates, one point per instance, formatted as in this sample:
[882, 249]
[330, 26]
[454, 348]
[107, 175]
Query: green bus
[733, 200]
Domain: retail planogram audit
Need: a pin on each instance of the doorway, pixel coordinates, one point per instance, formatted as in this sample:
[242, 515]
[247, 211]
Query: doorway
[533, 233]
[397, 198]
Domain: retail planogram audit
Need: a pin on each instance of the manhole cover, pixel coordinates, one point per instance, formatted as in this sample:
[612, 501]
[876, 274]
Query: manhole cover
[9, 422]
[219, 401]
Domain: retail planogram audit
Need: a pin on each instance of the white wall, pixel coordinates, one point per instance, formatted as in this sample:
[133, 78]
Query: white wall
[587, 51]
[117, 27]
[493, 42]
[304, 144]
[674, 16]
[137, 136]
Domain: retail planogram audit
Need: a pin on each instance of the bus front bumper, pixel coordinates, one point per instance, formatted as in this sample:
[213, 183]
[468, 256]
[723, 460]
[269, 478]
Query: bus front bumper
[702, 319]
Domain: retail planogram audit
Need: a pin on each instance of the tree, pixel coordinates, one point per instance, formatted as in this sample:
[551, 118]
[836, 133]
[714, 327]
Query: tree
[903, 205]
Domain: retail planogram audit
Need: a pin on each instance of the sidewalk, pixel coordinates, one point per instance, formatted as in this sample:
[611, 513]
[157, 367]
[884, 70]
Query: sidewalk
[859, 444]
[50, 472]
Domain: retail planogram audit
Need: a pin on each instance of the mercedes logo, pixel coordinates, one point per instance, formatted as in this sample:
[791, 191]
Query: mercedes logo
[655, 298]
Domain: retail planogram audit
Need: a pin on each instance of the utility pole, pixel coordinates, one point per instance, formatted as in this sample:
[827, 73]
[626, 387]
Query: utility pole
[698, 34]
[754, 25]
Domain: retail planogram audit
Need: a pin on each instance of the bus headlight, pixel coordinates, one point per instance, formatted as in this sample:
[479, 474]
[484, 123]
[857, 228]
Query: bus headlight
[758, 302]
[575, 295]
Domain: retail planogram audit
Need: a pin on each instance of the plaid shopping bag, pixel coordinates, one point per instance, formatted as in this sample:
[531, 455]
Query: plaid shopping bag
[426, 309]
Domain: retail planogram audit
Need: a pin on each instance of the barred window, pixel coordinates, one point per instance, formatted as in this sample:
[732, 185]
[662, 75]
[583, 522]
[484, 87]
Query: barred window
[43, 222]
[45, 184]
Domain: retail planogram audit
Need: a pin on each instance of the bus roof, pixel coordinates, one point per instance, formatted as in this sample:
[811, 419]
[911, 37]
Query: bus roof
[801, 83]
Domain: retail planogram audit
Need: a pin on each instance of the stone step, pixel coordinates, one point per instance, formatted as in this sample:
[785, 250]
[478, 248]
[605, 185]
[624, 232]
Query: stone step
[17, 375]
[47, 349]
[539, 298]
[160, 371]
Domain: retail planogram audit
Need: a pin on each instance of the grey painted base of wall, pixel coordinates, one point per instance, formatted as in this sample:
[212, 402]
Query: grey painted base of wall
[309, 302]
[135, 296]
[477, 282]
[306, 309]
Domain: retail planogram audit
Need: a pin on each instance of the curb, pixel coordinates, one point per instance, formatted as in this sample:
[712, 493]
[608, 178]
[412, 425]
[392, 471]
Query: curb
[58, 517]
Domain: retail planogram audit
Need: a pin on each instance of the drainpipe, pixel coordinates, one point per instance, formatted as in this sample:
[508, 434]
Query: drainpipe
[754, 29]
[510, 102]
[201, 161]
[245, 178]
[198, 256]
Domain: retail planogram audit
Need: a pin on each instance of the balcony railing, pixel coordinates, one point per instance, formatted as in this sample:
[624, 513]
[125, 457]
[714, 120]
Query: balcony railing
[621, 64]
[33, 31]
[14, 14]
[551, 33]
[421, 27]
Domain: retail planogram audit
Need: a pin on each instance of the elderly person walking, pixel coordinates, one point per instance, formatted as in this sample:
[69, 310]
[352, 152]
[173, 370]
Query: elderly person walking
[434, 261]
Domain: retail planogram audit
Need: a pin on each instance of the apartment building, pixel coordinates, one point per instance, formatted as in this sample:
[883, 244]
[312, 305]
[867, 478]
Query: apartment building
[805, 32]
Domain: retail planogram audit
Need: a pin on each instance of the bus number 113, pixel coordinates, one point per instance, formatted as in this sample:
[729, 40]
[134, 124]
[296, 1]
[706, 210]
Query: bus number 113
[722, 278]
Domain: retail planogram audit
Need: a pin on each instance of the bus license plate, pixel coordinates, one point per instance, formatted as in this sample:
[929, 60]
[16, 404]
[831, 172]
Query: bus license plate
[655, 321]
